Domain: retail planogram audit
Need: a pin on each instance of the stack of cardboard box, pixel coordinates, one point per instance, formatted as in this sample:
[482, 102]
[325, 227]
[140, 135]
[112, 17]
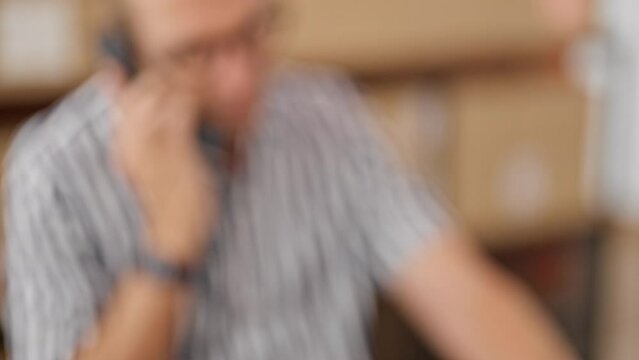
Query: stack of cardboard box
[501, 129]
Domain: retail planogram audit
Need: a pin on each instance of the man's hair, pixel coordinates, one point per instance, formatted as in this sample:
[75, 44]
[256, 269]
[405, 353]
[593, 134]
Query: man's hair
[119, 14]
[111, 15]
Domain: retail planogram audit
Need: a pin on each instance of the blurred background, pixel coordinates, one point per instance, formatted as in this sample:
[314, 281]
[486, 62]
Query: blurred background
[524, 112]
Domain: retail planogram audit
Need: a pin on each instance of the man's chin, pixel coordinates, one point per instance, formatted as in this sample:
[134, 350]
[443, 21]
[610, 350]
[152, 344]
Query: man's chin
[230, 126]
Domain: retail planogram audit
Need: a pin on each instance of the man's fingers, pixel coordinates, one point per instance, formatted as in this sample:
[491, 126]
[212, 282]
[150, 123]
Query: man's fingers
[182, 104]
[113, 78]
[184, 77]
[160, 104]
[182, 116]
[143, 97]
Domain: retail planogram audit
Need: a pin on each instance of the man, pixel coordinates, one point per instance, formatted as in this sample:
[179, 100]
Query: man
[131, 236]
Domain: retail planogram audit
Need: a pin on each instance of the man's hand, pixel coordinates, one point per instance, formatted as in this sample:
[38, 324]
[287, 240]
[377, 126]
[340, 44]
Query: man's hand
[157, 118]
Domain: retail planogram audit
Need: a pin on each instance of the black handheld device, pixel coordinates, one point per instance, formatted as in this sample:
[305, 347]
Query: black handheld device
[118, 46]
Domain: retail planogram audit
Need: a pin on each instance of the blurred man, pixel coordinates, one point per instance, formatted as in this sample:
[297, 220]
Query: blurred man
[136, 233]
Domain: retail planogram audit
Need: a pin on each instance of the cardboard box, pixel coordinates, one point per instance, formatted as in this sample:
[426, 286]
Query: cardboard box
[519, 153]
[381, 36]
[413, 115]
[508, 149]
[45, 48]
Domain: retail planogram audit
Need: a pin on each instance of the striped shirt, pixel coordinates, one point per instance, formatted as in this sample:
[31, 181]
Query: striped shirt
[316, 221]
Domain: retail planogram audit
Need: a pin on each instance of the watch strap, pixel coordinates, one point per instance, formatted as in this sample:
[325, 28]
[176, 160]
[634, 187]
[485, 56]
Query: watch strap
[166, 271]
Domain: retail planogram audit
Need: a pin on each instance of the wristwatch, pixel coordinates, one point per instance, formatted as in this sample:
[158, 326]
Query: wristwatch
[166, 271]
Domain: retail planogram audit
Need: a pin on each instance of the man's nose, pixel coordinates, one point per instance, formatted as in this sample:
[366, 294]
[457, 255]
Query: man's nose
[232, 71]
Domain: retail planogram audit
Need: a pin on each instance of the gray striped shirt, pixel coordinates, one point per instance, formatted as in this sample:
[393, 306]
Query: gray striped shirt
[319, 218]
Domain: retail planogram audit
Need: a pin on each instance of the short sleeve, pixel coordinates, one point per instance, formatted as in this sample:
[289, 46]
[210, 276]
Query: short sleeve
[398, 216]
[52, 270]
[396, 212]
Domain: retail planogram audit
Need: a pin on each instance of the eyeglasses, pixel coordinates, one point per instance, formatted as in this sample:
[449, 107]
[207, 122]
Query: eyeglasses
[249, 37]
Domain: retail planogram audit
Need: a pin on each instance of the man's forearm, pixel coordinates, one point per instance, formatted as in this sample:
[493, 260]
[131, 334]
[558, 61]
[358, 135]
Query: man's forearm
[142, 321]
[472, 310]
[509, 325]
